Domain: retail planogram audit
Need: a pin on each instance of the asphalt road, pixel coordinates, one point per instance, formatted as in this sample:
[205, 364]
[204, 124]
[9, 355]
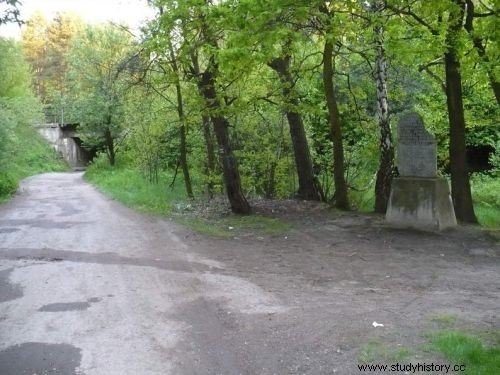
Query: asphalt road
[88, 286]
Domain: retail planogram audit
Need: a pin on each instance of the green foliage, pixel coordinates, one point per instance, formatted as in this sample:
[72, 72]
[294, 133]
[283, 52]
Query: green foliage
[97, 60]
[7, 186]
[485, 191]
[249, 35]
[22, 150]
[14, 70]
[45, 44]
[495, 160]
[124, 92]
[133, 189]
[463, 349]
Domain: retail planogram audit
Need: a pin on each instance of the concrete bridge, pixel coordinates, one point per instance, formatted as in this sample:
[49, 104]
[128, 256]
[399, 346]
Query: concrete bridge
[64, 139]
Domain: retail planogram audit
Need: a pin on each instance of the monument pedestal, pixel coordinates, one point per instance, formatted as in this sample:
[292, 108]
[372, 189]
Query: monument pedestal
[422, 203]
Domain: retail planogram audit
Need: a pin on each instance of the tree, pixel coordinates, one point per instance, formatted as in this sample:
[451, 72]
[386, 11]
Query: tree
[308, 188]
[341, 199]
[460, 185]
[203, 37]
[59, 35]
[14, 71]
[478, 41]
[450, 17]
[19, 109]
[207, 84]
[45, 45]
[275, 30]
[97, 62]
[386, 164]
[14, 89]
[34, 40]
[10, 11]
[206, 128]
[279, 98]
[168, 73]
[182, 120]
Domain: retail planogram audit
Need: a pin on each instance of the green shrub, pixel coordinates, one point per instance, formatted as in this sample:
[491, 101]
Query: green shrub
[486, 195]
[7, 185]
[23, 152]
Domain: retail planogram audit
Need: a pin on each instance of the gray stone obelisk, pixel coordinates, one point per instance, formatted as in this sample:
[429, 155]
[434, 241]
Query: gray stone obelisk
[418, 198]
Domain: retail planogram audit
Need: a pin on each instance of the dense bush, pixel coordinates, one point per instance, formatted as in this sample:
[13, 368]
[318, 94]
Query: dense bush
[22, 151]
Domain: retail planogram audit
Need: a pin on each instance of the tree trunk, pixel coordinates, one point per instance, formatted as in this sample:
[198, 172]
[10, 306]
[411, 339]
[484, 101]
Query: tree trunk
[182, 129]
[207, 134]
[183, 157]
[239, 204]
[307, 182]
[210, 165]
[460, 185]
[341, 198]
[384, 173]
[207, 88]
[110, 146]
[270, 185]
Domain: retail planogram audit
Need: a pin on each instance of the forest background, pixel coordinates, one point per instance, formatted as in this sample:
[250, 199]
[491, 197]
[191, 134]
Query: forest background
[260, 99]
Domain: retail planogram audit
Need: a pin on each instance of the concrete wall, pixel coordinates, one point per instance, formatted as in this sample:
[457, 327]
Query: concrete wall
[65, 142]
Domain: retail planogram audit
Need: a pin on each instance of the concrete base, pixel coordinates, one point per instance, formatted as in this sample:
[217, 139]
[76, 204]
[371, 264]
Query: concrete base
[422, 203]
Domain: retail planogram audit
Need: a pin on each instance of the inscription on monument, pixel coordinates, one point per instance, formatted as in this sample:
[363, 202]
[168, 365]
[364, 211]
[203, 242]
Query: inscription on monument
[417, 148]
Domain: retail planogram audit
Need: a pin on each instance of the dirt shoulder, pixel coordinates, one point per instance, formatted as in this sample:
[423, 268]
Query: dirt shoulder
[337, 273]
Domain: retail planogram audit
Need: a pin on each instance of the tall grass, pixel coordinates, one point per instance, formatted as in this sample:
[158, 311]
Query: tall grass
[127, 185]
[486, 195]
[130, 187]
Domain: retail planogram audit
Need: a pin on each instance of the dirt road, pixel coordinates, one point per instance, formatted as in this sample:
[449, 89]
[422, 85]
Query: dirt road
[90, 287]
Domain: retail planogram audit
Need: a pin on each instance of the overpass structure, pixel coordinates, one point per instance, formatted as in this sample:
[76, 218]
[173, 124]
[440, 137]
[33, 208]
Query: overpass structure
[65, 140]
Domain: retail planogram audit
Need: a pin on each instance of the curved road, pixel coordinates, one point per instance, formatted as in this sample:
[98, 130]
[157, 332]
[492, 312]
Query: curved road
[87, 286]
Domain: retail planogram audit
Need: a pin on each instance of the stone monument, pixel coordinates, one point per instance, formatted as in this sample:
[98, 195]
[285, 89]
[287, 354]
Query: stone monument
[418, 198]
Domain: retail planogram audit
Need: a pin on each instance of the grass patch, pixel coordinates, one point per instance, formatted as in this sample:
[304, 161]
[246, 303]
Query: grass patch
[486, 195]
[480, 353]
[131, 188]
[233, 225]
[463, 349]
[363, 200]
[401, 355]
[26, 154]
[488, 215]
[444, 319]
[376, 351]
[371, 351]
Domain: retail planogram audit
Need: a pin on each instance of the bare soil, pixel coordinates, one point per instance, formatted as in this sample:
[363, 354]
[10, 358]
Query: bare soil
[338, 272]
